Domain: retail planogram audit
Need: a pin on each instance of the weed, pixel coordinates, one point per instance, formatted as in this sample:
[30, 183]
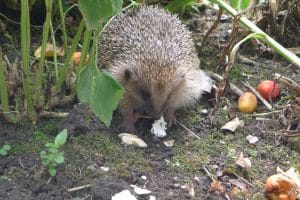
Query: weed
[52, 157]
[5, 148]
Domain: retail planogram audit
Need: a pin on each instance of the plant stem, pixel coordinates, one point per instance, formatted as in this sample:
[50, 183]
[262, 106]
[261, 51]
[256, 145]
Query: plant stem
[46, 28]
[75, 42]
[63, 25]
[3, 88]
[54, 50]
[25, 47]
[289, 56]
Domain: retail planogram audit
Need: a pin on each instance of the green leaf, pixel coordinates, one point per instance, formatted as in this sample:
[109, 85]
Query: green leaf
[179, 5]
[52, 171]
[97, 11]
[59, 158]
[240, 4]
[61, 138]
[6, 147]
[100, 91]
[50, 145]
[3, 152]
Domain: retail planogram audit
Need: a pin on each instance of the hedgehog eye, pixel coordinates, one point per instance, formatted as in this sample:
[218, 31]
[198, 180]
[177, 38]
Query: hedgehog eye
[127, 74]
[145, 95]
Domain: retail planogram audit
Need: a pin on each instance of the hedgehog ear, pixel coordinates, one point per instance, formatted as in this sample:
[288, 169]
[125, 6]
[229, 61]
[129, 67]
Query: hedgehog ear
[127, 74]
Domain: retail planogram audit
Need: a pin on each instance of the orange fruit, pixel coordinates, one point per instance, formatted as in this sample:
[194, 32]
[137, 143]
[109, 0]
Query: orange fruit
[247, 102]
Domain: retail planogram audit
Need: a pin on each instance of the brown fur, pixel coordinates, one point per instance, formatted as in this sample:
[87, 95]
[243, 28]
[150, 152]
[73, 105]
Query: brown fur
[150, 52]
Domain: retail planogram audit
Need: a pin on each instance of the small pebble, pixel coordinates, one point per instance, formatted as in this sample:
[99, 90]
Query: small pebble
[197, 179]
[176, 185]
[144, 178]
[105, 169]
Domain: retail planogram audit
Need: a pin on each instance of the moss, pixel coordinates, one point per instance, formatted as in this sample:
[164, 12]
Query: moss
[108, 150]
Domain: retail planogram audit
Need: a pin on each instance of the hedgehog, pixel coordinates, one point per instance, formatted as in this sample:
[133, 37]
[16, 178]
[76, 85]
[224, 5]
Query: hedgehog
[152, 55]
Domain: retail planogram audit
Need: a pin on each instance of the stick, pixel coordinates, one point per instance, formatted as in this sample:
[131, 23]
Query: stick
[79, 188]
[218, 77]
[269, 106]
[48, 114]
[288, 83]
[188, 130]
[264, 114]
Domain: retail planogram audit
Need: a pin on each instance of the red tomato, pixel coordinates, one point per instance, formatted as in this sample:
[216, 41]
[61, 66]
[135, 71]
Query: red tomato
[268, 89]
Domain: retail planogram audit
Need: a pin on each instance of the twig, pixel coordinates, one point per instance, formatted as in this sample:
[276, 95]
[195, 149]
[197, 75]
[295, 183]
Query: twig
[245, 181]
[48, 114]
[218, 77]
[208, 174]
[188, 130]
[269, 106]
[79, 188]
[264, 114]
[288, 83]
[292, 135]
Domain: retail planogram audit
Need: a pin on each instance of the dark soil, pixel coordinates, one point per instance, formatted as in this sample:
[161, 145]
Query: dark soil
[171, 172]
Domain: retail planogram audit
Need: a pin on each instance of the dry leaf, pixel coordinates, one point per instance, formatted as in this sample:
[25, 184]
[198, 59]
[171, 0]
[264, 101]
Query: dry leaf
[241, 186]
[245, 163]
[216, 186]
[76, 58]
[131, 139]
[252, 139]
[125, 194]
[169, 143]
[49, 51]
[140, 191]
[233, 124]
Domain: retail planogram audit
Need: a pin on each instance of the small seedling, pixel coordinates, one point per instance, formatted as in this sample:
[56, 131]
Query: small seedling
[52, 157]
[5, 148]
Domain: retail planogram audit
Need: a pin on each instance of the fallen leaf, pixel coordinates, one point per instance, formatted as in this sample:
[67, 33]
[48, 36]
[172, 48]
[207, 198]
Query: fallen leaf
[243, 162]
[169, 143]
[140, 191]
[252, 139]
[131, 139]
[216, 186]
[49, 52]
[76, 58]
[125, 194]
[233, 124]
[240, 185]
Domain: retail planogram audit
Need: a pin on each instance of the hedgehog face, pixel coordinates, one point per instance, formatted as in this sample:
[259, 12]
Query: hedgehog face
[151, 98]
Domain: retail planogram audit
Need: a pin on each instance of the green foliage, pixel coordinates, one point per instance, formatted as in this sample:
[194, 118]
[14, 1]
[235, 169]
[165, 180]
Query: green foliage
[5, 148]
[98, 11]
[240, 4]
[52, 157]
[100, 91]
[180, 5]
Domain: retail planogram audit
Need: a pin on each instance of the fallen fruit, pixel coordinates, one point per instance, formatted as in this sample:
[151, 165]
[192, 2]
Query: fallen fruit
[247, 102]
[49, 51]
[280, 187]
[268, 89]
[76, 58]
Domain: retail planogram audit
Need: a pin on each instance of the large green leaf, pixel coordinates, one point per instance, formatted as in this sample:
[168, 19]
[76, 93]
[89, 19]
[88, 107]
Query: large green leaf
[61, 138]
[179, 5]
[96, 11]
[240, 4]
[100, 91]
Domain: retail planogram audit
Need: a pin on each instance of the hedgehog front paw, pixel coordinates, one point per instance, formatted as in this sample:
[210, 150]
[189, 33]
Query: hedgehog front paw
[170, 118]
[127, 127]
